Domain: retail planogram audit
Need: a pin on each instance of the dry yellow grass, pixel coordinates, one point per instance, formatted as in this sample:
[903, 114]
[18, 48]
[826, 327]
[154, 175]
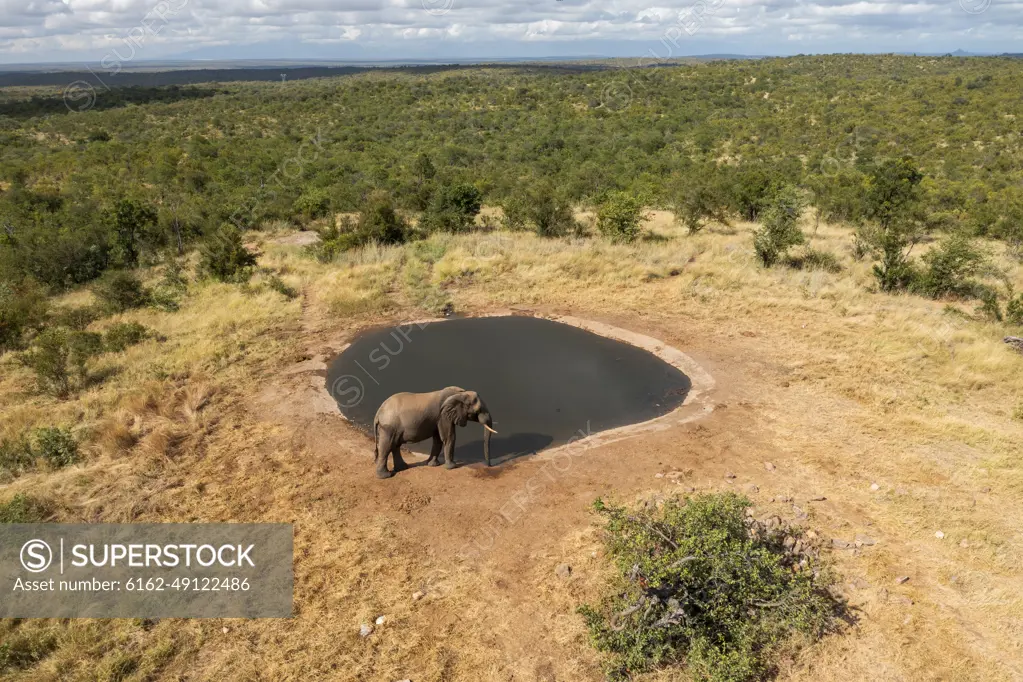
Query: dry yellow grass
[839, 387]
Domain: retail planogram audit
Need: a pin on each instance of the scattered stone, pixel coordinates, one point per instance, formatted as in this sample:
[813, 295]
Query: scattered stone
[689, 489]
[768, 466]
[783, 498]
[658, 475]
[225, 630]
[675, 475]
[901, 491]
[751, 488]
[800, 514]
[985, 490]
[840, 544]
[905, 600]
[964, 544]
[563, 570]
[381, 620]
[939, 535]
[365, 630]
[729, 475]
[416, 596]
[875, 487]
[863, 540]
[772, 522]
[902, 579]
[820, 498]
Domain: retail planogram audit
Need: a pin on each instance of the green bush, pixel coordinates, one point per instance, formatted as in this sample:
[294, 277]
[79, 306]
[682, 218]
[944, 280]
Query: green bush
[779, 226]
[452, 208]
[77, 318]
[122, 335]
[132, 222]
[223, 256]
[120, 290]
[25, 509]
[56, 446]
[950, 267]
[336, 240]
[314, 203]
[1014, 310]
[815, 259]
[59, 356]
[702, 583]
[22, 308]
[618, 217]
[16, 458]
[542, 207]
[699, 200]
[281, 287]
[380, 223]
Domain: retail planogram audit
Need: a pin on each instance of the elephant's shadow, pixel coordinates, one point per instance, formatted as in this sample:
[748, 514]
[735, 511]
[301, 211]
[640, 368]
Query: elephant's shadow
[502, 448]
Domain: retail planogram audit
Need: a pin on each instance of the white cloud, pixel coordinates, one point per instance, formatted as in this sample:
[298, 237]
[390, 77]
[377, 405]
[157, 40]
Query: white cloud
[52, 28]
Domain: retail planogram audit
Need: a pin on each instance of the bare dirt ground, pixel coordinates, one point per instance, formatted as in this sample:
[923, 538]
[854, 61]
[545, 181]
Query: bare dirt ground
[859, 415]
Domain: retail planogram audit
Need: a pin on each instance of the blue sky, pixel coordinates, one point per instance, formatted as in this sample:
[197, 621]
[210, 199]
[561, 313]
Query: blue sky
[139, 30]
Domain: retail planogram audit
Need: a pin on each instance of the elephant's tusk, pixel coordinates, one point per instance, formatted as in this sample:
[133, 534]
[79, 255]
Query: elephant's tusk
[489, 429]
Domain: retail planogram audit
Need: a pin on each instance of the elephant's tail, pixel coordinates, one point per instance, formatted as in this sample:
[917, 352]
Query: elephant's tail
[376, 436]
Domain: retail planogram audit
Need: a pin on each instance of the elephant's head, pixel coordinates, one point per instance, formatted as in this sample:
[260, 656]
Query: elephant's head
[461, 407]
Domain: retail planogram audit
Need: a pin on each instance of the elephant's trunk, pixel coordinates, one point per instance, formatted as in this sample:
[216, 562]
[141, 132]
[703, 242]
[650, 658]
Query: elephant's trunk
[487, 423]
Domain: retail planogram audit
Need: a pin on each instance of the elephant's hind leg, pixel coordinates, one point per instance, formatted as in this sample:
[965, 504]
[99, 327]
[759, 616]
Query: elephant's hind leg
[383, 449]
[434, 460]
[399, 463]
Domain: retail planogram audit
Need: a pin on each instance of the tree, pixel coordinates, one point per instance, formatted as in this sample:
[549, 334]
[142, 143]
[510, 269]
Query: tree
[224, 257]
[547, 210]
[779, 226]
[453, 208]
[700, 199]
[892, 225]
[379, 222]
[618, 217]
[132, 220]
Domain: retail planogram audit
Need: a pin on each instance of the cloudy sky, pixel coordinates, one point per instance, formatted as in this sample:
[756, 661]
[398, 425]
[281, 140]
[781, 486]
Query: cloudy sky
[139, 30]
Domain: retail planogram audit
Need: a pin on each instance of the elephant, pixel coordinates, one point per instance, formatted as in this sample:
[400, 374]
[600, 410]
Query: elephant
[414, 417]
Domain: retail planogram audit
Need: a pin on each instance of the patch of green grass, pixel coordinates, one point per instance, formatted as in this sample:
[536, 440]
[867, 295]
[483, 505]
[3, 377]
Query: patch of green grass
[701, 583]
[348, 304]
[25, 509]
[122, 335]
[24, 648]
[814, 259]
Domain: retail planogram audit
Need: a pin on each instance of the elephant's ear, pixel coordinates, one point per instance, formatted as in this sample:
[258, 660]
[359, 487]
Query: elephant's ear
[455, 409]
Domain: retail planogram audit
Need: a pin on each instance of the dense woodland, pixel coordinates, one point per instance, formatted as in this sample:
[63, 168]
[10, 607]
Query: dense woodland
[143, 172]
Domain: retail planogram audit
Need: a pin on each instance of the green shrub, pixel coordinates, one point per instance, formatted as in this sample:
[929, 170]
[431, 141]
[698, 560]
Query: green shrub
[77, 318]
[59, 356]
[16, 458]
[22, 308]
[122, 335]
[1014, 310]
[380, 223]
[702, 583]
[23, 648]
[949, 268]
[132, 222]
[542, 207]
[223, 256]
[815, 259]
[314, 203]
[618, 217]
[56, 446]
[281, 287]
[120, 290]
[25, 509]
[779, 226]
[452, 208]
[699, 200]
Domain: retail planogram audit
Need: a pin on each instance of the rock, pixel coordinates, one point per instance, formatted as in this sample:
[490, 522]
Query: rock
[902, 579]
[783, 498]
[800, 514]
[985, 490]
[840, 544]
[675, 475]
[416, 596]
[863, 540]
[751, 488]
[563, 570]
[658, 475]
[225, 630]
[905, 600]
[820, 498]
[768, 466]
[381, 620]
[964, 544]
[729, 475]
[875, 487]
[365, 630]
[939, 535]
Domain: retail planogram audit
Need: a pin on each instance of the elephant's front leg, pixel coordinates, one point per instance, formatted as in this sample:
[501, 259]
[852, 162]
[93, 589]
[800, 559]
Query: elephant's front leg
[449, 451]
[435, 451]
